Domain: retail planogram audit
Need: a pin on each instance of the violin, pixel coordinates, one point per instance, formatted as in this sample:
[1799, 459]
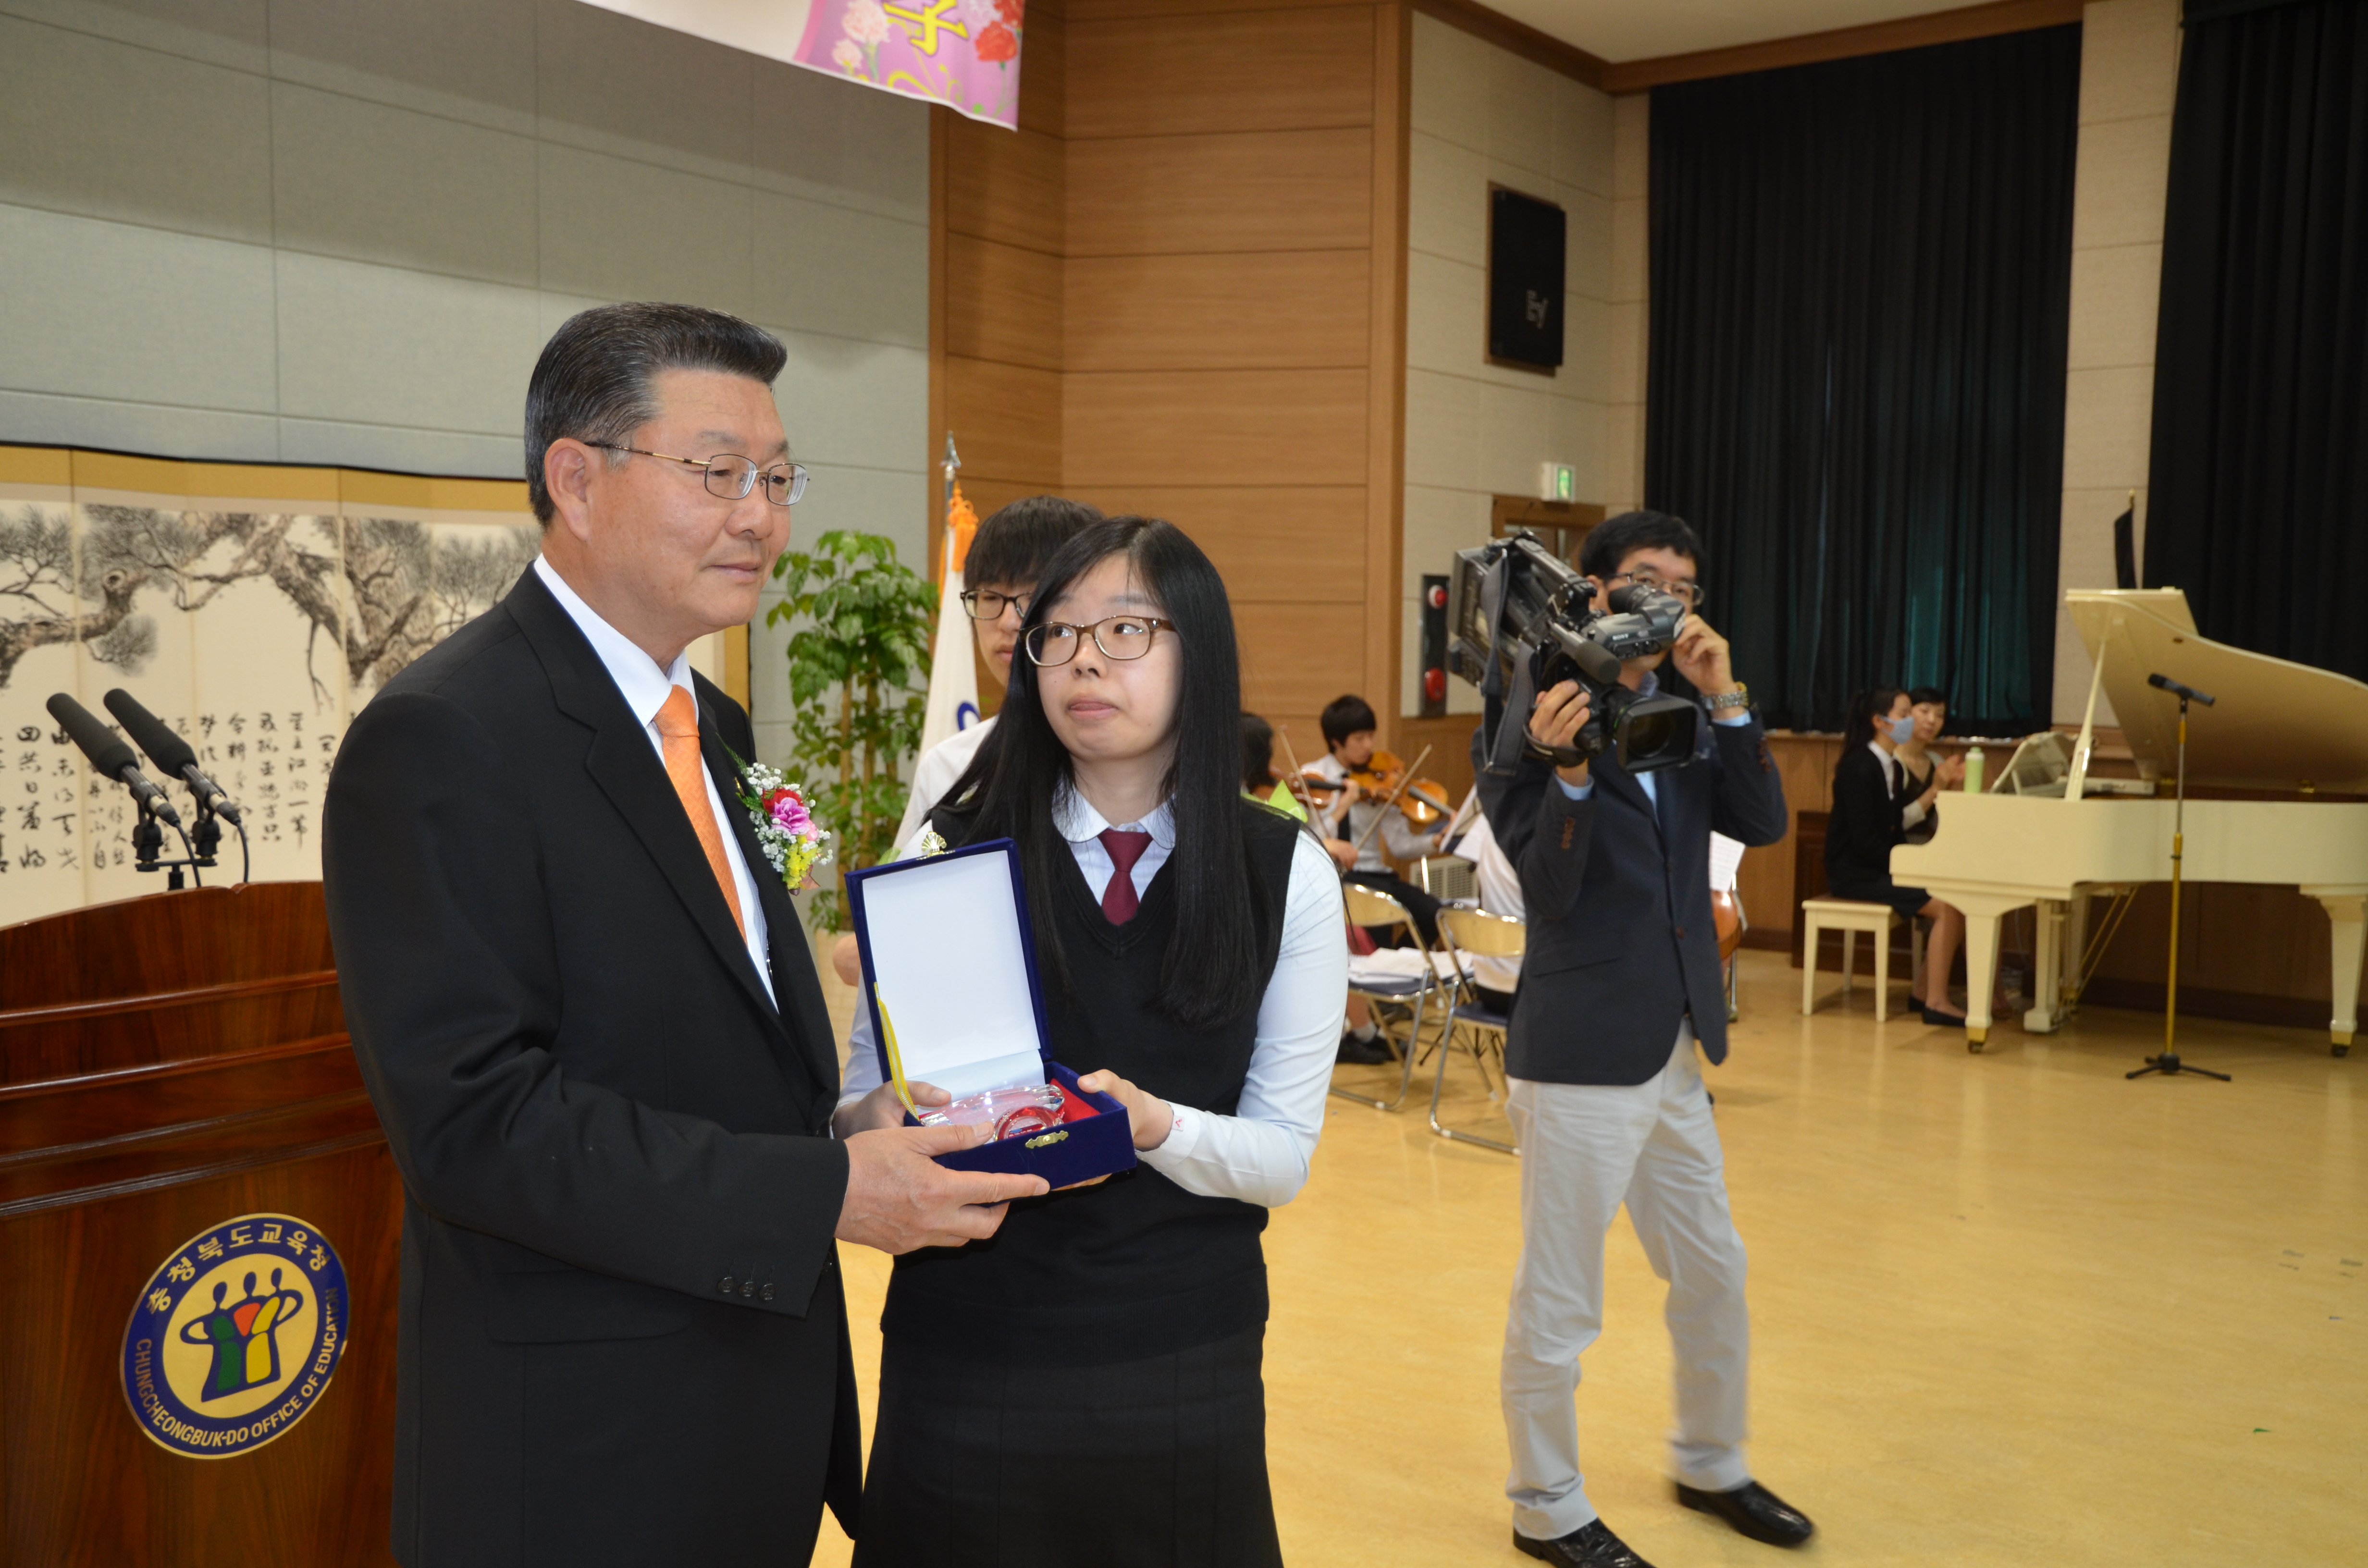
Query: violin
[1423, 802]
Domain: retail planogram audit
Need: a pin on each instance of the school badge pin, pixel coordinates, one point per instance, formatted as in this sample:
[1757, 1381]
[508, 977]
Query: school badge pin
[236, 1336]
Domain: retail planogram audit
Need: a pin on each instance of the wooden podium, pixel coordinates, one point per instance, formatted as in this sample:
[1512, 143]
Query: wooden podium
[169, 1065]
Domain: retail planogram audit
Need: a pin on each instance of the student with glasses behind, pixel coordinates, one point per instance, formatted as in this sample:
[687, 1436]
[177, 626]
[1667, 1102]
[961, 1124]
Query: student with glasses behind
[1090, 1391]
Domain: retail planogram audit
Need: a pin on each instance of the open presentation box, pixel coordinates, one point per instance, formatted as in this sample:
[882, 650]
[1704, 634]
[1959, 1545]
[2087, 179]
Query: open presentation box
[946, 944]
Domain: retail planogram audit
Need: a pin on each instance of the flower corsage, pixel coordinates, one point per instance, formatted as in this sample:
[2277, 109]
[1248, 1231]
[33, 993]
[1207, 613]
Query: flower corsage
[794, 842]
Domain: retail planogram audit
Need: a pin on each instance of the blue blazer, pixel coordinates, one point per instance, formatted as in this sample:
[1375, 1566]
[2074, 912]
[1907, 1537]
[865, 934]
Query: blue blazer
[1620, 945]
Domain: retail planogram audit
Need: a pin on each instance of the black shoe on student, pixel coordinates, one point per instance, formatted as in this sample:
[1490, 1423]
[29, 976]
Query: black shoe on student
[1364, 1052]
[1592, 1545]
[1753, 1511]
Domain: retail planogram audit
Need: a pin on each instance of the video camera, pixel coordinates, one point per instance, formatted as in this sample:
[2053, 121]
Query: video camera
[1524, 621]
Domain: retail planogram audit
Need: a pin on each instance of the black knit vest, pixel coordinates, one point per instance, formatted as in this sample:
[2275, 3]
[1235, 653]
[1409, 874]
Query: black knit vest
[1136, 1266]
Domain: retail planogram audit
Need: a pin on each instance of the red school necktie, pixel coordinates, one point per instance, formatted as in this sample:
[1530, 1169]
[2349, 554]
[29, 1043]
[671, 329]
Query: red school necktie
[1118, 901]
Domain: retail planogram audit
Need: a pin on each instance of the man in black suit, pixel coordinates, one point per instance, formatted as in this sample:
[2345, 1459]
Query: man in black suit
[1620, 984]
[590, 1019]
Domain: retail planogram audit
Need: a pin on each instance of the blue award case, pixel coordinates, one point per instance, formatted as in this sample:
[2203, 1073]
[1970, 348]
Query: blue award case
[947, 939]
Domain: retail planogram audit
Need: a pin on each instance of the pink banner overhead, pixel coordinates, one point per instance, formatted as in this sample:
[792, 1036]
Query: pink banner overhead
[962, 53]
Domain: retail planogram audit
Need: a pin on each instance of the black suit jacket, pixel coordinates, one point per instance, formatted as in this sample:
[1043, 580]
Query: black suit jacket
[622, 1333]
[1866, 823]
[1617, 898]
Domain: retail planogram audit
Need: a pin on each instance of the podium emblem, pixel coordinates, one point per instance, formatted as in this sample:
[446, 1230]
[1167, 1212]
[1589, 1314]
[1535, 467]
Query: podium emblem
[236, 1336]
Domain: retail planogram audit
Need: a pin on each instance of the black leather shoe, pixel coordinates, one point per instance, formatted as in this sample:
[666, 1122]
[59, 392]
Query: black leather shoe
[1754, 1511]
[1592, 1545]
[1364, 1052]
[1946, 1020]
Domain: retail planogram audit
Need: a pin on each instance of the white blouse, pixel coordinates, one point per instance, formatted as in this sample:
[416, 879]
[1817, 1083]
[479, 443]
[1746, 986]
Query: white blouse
[1260, 1154]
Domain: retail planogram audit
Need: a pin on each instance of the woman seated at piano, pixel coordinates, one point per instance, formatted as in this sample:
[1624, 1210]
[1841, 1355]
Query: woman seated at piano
[1877, 805]
[1928, 706]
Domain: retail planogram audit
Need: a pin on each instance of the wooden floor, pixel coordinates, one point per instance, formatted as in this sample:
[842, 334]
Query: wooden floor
[2008, 1308]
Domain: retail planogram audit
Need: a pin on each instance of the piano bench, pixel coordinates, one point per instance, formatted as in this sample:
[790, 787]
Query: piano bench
[1849, 918]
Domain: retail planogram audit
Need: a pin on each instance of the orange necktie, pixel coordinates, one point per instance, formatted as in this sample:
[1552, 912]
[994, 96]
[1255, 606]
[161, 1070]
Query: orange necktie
[677, 724]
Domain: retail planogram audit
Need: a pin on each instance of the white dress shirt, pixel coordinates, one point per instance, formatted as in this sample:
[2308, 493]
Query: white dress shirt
[1261, 1154]
[1915, 812]
[940, 768]
[645, 687]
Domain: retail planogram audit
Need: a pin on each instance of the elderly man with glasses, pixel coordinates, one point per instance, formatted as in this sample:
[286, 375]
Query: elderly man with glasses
[590, 1019]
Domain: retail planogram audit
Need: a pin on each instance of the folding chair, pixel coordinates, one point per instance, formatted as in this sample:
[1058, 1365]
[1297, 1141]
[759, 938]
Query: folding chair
[1473, 932]
[1367, 907]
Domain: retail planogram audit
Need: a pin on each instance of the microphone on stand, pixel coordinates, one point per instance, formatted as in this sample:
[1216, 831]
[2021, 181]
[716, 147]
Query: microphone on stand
[2162, 683]
[110, 756]
[171, 753]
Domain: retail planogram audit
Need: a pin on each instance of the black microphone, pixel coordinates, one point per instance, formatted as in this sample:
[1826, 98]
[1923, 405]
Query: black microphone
[110, 756]
[2173, 686]
[168, 751]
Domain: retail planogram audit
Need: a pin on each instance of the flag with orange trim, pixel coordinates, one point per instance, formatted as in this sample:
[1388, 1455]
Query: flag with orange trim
[953, 672]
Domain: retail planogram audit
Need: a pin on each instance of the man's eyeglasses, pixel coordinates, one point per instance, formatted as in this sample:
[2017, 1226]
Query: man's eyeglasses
[733, 477]
[1689, 594]
[1118, 637]
[985, 604]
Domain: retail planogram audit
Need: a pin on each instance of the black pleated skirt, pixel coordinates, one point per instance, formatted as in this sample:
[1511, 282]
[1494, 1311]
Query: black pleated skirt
[1156, 1463]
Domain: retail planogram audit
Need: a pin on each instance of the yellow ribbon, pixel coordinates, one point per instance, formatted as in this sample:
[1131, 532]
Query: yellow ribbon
[895, 1062]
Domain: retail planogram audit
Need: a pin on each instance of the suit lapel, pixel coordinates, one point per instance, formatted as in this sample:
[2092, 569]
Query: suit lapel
[1622, 783]
[796, 990]
[625, 765]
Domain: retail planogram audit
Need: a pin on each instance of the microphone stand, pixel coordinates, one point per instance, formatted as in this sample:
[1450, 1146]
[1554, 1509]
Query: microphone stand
[2167, 1064]
[148, 839]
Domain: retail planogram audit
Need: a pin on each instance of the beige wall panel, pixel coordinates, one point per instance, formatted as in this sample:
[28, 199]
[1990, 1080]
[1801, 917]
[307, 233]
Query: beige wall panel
[1003, 186]
[1254, 70]
[1006, 420]
[1296, 658]
[1005, 303]
[1291, 545]
[1241, 427]
[1304, 309]
[1263, 190]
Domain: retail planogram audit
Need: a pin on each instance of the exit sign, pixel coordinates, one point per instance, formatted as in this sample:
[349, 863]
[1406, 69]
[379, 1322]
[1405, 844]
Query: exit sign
[1557, 482]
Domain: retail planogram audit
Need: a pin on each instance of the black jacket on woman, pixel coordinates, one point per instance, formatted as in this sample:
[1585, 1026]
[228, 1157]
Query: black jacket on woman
[1863, 826]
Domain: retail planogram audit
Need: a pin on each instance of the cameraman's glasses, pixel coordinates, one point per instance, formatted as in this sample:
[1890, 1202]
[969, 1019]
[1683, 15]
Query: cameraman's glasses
[1688, 594]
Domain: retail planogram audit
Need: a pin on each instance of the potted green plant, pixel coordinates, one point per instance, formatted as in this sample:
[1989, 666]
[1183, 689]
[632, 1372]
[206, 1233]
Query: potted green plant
[859, 674]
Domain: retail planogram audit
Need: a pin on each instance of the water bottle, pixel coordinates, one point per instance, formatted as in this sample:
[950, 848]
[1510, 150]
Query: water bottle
[1974, 764]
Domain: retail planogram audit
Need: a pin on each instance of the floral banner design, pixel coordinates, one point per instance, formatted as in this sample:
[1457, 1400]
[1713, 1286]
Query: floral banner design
[962, 53]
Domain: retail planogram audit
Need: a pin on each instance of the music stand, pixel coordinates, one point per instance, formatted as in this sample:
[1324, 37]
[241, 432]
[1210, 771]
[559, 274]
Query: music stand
[2167, 1064]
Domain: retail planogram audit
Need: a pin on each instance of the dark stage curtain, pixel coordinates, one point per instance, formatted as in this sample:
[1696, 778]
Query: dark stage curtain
[2259, 486]
[1860, 273]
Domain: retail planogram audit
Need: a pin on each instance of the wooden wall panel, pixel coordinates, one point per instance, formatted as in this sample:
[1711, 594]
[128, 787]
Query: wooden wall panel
[1045, 71]
[1255, 428]
[1296, 658]
[1120, 10]
[1005, 419]
[1253, 310]
[1011, 305]
[1300, 544]
[1263, 190]
[1004, 185]
[1806, 765]
[1247, 71]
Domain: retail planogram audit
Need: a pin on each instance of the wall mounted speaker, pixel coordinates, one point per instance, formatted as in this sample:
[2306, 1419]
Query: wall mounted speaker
[1526, 239]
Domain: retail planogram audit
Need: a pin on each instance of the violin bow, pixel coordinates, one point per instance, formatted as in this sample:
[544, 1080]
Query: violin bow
[1391, 799]
[1298, 775]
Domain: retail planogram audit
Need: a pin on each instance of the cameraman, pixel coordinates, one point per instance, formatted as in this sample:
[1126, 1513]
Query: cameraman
[1620, 983]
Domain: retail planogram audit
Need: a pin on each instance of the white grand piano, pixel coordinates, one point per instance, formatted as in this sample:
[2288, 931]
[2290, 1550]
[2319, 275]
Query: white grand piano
[2277, 727]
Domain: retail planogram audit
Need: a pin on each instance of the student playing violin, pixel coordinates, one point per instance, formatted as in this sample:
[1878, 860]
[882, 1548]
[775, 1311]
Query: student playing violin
[1349, 733]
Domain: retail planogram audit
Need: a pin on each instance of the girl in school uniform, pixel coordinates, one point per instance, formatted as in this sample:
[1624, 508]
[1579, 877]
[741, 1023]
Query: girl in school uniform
[1086, 1388]
[1876, 807]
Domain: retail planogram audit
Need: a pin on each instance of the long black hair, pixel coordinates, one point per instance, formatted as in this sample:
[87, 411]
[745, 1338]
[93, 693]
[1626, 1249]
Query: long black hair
[1210, 974]
[1865, 707]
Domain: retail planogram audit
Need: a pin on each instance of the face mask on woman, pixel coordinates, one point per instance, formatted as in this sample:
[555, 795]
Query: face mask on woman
[1902, 730]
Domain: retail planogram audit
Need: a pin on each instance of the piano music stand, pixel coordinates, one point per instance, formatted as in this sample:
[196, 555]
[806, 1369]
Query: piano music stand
[2167, 1064]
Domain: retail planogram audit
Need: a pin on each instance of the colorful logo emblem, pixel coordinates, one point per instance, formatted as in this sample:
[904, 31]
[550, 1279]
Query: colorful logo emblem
[236, 1336]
